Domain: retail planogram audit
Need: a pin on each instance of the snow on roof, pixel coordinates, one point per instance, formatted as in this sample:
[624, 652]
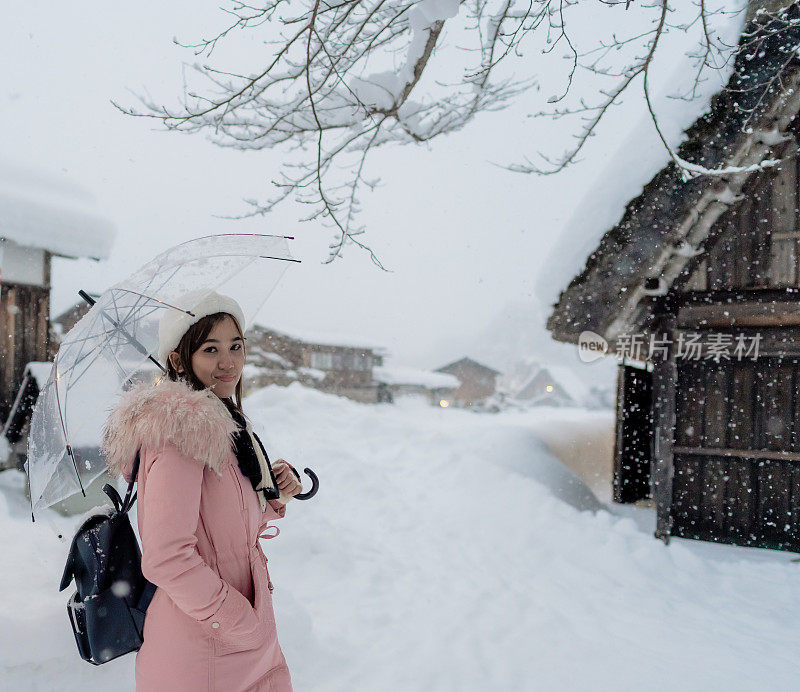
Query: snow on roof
[268, 355]
[400, 374]
[44, 211]
[467, 362]
[636, 160]
[570, 382]
[327, 338]
[40, 371]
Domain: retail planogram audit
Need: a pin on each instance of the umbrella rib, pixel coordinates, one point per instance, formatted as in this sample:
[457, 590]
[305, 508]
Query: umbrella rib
[135, 306]
[122, 372]
[147, 286]
[109, 334]
[285, 259]
[83, 357]
[132, 308]
[64, 429]
[80, 356]
[86, 338]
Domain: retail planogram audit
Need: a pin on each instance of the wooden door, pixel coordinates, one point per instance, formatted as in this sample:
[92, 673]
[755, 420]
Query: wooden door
[633, 451]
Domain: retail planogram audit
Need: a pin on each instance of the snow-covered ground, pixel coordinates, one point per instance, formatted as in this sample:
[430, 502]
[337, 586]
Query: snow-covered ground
[448, 550]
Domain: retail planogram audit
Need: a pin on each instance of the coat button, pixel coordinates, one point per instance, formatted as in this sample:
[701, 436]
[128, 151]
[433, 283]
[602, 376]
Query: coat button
[215, 625]
[270, 586]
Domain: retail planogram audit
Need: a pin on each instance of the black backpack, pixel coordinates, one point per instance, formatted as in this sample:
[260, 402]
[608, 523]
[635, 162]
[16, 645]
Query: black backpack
[108, 609]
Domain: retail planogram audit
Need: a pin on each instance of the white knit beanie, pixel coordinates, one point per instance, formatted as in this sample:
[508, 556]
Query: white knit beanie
[174, 323]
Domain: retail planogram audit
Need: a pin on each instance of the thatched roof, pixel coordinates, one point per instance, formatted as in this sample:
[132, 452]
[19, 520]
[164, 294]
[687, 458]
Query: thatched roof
[464, 364]
[637, 258]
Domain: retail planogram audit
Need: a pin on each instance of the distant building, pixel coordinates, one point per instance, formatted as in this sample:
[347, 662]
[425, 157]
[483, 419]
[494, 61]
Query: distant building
[331, 364]
[477, 381]
[437, 387]
[40, 217]
[554, 385]
[62, 323]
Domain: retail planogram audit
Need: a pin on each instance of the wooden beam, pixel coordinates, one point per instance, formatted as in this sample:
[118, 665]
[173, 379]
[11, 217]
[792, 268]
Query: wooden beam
[740, 315]
[729, 296]
[739, 453]
[665, 376]
[618, 437]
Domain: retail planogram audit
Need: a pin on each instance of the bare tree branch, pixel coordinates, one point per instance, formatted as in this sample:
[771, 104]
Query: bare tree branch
[348, 76]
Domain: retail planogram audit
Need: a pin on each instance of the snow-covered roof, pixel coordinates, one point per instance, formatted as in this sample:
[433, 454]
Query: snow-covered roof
[400, 374]
[668, 224]
[44, 211]
[280, 361]
[636, 160]
[468, 363]
[570, 382]
[314, 373]
[40, 372]
[326, 338]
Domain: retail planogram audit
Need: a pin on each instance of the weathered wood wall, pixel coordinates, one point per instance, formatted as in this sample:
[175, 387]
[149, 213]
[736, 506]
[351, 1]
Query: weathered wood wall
[737, 452]
[756, 243]
[24, 312]
[732, 466]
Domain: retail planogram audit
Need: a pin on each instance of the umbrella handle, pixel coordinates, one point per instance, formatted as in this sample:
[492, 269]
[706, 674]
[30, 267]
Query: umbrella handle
[314, 486]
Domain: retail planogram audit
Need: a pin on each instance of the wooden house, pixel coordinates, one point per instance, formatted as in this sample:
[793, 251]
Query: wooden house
[477, 381]
[402, 381]
[62, 323]
[323, 362]
[40, 218]
[554, 385]
[698, 288]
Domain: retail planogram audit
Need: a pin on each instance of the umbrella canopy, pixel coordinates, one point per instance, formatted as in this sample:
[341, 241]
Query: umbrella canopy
[115, 345]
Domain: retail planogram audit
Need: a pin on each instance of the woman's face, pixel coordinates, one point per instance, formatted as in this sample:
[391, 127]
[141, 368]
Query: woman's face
[219, 361]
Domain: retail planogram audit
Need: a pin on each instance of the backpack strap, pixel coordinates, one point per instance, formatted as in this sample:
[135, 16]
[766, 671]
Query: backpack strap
[123, 506]
[148, 592]
[129, 500]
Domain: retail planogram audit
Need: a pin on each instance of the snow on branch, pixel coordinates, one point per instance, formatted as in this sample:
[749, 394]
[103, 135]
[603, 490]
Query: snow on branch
[320, 96]
[344, 77]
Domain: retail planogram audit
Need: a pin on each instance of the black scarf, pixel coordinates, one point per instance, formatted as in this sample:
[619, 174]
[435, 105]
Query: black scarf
[249, 463]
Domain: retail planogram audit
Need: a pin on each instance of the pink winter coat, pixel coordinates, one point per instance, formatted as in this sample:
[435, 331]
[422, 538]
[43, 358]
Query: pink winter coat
[210, 625]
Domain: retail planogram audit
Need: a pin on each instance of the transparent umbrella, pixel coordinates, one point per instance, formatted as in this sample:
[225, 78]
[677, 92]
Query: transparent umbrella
[115, 345]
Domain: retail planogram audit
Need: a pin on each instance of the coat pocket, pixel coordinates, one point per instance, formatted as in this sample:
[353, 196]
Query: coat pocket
[262, 606]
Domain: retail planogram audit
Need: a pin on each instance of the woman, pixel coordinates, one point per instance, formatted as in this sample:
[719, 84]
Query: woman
[202, 491]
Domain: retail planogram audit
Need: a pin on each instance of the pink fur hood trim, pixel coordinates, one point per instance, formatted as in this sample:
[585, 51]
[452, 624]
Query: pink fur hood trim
[194, 421]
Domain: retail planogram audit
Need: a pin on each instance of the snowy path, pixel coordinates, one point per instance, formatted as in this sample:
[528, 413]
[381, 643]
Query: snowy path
[438, 557]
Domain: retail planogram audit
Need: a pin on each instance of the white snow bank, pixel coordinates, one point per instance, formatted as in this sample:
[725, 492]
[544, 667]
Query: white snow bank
[49, 212]
[436, 556]
[401, 374]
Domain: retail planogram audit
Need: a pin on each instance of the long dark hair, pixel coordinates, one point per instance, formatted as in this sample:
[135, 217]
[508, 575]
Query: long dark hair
[192, 340]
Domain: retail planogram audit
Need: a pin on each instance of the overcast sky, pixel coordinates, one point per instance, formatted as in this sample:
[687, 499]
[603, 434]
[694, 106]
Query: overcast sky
[463, 238]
